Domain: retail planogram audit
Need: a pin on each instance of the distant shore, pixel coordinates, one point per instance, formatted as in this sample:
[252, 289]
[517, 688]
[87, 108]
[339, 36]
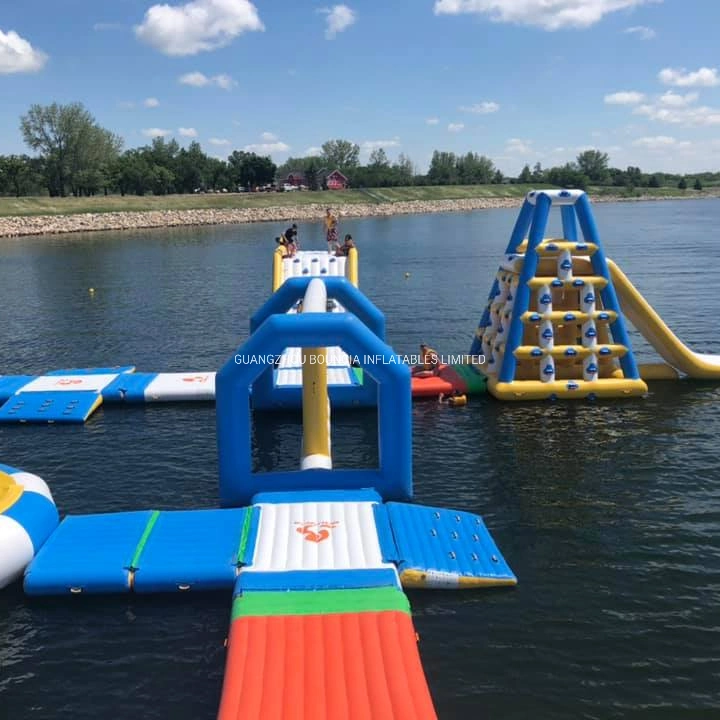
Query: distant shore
[26, 225]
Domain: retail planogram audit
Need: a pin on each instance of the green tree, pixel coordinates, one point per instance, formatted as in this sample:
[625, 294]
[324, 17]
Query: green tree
[498, 177]
[70, 142]
[525, 175]
[312, 174]
[379, 159]
[682, 185]
[443, 169]
[191, 169]
[341, 154]
[132, 173]
[568, 175]
[538, 174]
[404, 170]
[18, 175]
[295, 164]
[250, 170]
[654, 181]
[474, 169]
[594, 165]
[698, 184]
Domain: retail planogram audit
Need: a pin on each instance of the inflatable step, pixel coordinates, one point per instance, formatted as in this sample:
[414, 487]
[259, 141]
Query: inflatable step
[441, 548]
[61, 406]
[145, 551]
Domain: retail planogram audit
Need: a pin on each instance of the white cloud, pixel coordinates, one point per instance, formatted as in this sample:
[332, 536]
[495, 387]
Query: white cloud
[642, 31]
[481, 108]
[339, 18]
[224, 81]
[188, 132]
[17, 55]
[156, 132]
[198, 79]
[660, 142]
[672, 99]
[547, 14]
[197, 26]
[679, 77]
[313, 151]
[218, 141]
[687, 116]
[267, 148]
[268, 137]
[516, 146]
[455, 127]
[629, 97]
[432, 121]
[151, 102]
[370, 145]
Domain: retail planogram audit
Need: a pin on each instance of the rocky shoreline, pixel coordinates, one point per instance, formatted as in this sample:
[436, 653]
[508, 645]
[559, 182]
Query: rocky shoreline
[19, 226]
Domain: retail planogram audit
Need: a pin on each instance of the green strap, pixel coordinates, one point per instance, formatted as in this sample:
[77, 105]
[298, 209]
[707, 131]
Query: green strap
[244, 535]
[317, 602]
[143, 540]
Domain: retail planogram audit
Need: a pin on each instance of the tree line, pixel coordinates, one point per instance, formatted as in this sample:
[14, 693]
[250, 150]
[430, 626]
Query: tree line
[74, 155]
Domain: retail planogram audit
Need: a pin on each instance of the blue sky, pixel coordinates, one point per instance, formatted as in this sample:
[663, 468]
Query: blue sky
[517, 80]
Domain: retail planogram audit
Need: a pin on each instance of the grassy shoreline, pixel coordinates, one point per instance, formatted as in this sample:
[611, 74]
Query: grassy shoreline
[32, 206]
[42, 215]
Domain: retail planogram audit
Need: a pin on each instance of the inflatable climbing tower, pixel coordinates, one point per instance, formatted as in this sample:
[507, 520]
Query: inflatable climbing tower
[553, 327]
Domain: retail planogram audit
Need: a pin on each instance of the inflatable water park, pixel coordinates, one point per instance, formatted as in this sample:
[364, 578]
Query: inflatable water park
[555, 326]
[321, 552]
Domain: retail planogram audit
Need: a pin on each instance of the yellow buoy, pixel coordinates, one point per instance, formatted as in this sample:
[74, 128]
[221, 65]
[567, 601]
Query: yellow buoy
[407, 275]
[91, 291]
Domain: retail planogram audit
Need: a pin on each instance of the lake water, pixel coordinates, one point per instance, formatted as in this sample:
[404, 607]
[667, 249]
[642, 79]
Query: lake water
[608, 512]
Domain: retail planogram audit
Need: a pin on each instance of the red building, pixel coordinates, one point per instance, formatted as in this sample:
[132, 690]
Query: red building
[336, 181]
[295, 178]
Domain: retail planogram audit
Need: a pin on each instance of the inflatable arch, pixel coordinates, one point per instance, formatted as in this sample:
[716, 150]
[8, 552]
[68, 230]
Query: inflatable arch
[392, 480]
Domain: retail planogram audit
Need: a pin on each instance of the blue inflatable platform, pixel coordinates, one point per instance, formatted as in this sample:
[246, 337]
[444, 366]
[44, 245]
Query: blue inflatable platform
[145, 551]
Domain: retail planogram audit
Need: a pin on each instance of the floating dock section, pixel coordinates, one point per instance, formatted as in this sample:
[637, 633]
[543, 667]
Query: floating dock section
[72, 395]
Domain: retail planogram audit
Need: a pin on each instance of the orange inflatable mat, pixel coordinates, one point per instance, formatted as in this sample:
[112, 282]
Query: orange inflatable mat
[337, 666]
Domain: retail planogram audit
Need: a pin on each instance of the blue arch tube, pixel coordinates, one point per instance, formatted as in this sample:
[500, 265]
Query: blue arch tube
[392, 480]
[338, 288]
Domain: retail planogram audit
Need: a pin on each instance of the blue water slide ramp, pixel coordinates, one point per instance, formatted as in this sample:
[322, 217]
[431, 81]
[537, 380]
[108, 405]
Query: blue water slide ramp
[440, 548]
[144, 551]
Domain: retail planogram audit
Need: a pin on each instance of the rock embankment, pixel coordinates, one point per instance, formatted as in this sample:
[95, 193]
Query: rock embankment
[17, 226]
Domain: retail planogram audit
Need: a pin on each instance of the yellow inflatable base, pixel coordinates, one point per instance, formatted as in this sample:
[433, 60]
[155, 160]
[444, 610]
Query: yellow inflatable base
[419, 579]
[520, 390]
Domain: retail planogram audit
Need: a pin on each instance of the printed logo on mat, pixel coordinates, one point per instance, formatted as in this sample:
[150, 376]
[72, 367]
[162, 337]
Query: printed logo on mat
[196, 378]
[316, 531]
[69, 381]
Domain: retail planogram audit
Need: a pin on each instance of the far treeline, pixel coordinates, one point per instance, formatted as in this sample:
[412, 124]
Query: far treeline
[74, 155]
